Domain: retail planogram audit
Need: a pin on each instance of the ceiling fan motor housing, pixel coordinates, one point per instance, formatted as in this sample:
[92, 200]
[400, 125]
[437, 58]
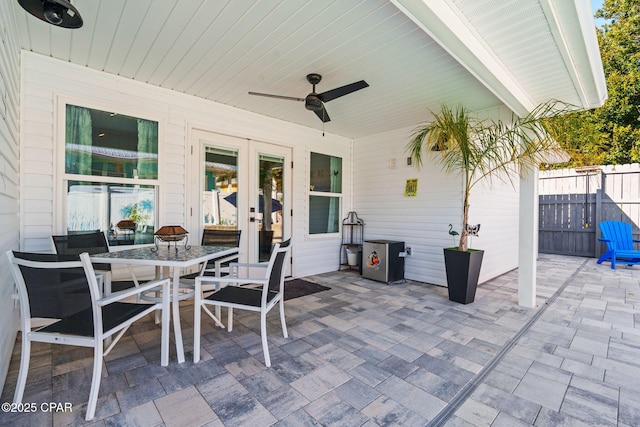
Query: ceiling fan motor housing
[312, 102]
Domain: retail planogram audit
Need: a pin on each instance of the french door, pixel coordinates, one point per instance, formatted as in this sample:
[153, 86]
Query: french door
[240, 184]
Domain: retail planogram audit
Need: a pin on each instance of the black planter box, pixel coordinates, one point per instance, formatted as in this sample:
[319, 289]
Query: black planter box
[463, 270]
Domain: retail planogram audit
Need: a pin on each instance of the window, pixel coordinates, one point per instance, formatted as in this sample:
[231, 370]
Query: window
[111, 173]
[325, 193]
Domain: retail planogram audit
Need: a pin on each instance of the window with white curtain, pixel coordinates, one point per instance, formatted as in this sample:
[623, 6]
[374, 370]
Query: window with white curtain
[325, 193]
[111, 174]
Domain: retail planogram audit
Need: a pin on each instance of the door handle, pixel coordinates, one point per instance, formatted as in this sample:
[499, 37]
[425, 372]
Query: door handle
[252, 219]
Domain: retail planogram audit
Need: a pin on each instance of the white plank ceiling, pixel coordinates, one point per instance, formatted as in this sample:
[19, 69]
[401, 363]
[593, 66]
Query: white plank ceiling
[219, 50]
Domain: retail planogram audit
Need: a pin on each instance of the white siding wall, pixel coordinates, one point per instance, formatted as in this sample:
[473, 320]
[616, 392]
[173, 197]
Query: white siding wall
[496, 208]
[422, 222]
[9, 177]
[48, 84]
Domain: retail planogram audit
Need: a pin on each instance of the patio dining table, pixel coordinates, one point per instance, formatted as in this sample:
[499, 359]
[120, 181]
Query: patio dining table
[176, 259]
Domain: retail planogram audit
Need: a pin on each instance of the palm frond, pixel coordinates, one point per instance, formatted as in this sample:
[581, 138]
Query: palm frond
[486, 149]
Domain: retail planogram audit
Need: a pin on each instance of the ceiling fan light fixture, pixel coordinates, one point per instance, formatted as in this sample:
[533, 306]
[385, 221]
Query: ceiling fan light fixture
[60, 13]
[53, 13]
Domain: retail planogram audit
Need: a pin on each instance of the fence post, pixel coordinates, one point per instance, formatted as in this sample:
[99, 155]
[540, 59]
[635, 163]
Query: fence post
[598, 214]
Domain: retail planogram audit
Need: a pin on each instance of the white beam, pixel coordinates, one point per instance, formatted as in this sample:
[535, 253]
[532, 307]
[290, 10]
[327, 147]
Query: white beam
[528, 239]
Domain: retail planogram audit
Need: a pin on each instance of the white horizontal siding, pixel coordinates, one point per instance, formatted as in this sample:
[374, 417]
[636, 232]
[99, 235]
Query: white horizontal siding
[9, 178]
[422, 222]
[49, 83]
[496, 208]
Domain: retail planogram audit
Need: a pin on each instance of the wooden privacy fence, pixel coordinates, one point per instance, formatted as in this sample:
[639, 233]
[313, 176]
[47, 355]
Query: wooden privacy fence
[573, 202]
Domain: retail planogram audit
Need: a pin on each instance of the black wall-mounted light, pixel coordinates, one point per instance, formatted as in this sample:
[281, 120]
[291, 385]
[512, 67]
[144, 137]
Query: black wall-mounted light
[60, 13]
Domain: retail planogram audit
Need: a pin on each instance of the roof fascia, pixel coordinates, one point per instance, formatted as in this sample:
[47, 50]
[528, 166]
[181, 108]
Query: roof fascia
[455, 34]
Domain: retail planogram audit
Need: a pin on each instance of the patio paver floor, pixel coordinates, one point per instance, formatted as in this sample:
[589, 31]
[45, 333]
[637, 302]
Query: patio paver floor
[369, 354]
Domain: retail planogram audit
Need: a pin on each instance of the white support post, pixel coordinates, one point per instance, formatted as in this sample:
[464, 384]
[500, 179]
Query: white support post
[528, 239]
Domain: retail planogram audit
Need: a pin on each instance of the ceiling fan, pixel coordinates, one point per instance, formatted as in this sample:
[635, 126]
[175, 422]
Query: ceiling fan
[315, 101]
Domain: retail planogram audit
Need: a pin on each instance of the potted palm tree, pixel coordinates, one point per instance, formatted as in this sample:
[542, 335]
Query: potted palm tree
[476, 150]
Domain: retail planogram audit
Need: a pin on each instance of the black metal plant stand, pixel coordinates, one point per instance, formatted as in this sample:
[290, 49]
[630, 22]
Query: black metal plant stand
[352, 235]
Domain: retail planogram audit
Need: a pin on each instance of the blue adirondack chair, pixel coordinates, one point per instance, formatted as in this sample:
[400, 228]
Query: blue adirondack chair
[620, 249]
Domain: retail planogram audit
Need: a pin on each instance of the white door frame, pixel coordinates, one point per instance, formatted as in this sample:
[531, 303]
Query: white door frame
[248, 159]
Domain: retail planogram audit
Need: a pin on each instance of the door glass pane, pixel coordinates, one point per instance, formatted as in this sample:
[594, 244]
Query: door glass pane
[220, 192]
[270, 203]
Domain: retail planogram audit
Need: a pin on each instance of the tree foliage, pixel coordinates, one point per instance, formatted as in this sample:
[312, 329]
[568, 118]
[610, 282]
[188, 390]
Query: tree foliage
[610, 134]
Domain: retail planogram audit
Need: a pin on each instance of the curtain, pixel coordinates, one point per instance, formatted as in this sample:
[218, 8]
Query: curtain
[147, 168]
[78, 141]
[147, 149]
[335, 172]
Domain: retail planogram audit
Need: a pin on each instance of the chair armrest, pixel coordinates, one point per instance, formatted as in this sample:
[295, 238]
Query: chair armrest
[611, 242]
[247, 264]
[234, 268]
[227, 279]
[218, 261]
[117, 296]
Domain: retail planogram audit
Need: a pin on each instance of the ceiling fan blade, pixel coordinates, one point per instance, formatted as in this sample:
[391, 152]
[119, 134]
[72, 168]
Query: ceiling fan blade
[322, 114]
[268, 95]
[342, 91]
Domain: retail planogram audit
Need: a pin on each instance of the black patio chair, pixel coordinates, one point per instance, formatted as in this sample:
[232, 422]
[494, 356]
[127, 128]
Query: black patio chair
[64, 288]
[218, 267]
[268, 293]
[92, 242]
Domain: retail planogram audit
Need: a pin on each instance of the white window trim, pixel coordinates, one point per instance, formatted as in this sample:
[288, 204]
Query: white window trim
[309, 193]
[61, 178]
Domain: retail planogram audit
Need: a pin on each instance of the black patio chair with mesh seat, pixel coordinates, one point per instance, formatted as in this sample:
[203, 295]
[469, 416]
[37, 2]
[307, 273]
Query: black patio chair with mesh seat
[218, 267]
[268, 293]
[223, 238]
[249, 269]
[92, 242]
[64, 289]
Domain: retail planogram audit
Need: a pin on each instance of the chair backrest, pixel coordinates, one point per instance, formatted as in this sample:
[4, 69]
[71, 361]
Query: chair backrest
[225, 238]
[277, 265]
[619, 234]
[52, 285]
[91, 242]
